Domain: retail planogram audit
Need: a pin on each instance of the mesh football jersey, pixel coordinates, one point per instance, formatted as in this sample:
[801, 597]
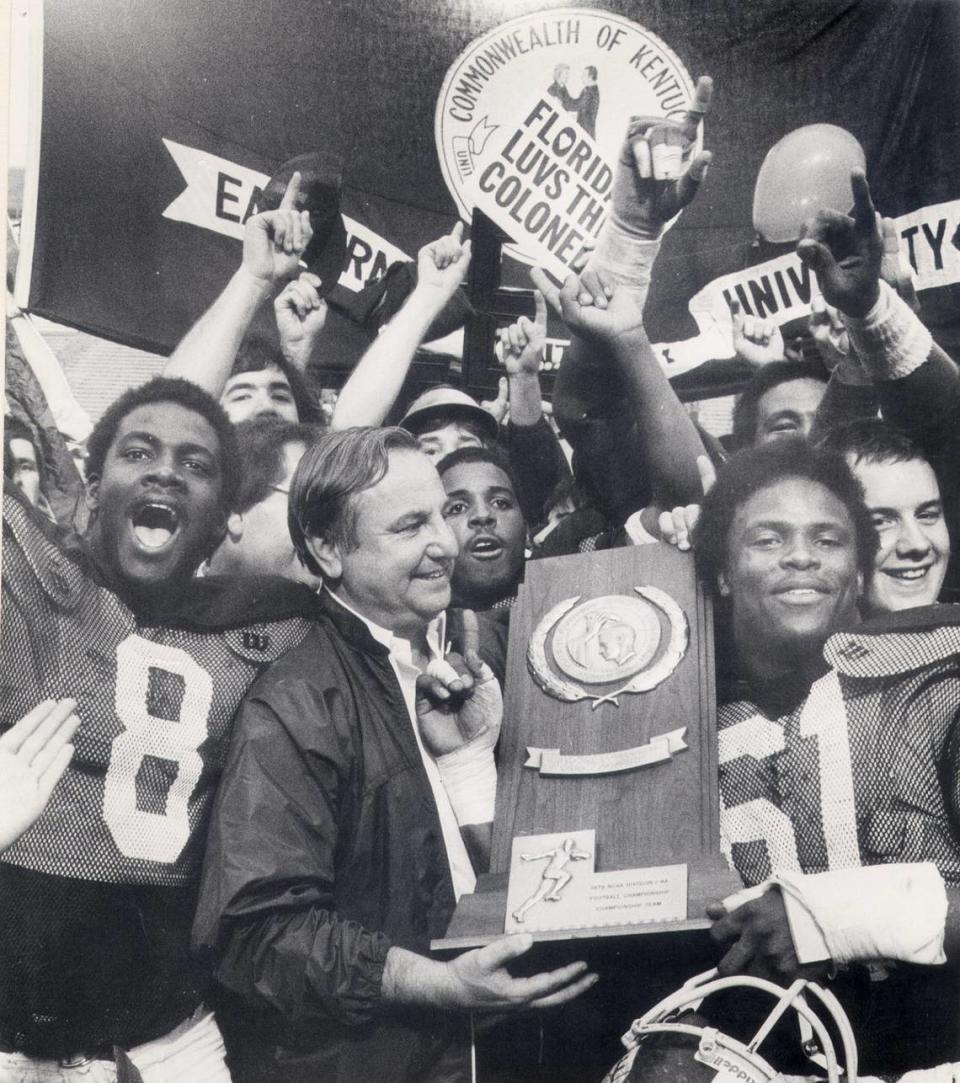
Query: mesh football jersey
[155, 706]
[98, 896]
[864, 771]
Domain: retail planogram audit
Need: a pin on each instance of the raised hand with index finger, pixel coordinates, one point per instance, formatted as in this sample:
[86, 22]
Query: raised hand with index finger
[523, 342]
[459, 701]
[274, 241]
[442, 265]
[845, 251]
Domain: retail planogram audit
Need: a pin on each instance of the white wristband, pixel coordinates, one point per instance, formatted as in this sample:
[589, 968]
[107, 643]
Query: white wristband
[876, 912]
[626, 259]
[469, 775]
[890, 340]
[637, 532]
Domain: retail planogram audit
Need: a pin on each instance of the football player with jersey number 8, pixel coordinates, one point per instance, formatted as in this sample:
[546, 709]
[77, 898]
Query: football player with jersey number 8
[98, 894]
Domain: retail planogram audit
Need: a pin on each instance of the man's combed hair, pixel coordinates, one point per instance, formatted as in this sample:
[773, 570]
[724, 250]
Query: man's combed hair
[871, 440]
[185, 394]
[763, 380]
[334, 470]
[261, 442]
[754, 469]
[492, 455]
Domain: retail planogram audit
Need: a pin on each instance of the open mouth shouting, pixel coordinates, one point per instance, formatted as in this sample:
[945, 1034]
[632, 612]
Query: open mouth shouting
[155, 525]
[485, 547]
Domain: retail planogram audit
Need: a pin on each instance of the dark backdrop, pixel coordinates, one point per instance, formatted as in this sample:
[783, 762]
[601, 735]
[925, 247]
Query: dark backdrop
[260, 82]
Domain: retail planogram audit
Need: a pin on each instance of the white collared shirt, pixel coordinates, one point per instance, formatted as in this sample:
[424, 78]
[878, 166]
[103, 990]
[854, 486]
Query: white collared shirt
[401, 658]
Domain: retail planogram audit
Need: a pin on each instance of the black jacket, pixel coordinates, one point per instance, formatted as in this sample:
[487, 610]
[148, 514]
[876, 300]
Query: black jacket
[325, 849]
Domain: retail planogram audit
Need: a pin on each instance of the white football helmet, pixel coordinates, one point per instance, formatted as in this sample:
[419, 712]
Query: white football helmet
[718, 1057]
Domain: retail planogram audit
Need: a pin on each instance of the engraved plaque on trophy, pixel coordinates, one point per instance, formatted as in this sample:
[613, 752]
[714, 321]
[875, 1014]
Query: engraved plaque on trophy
[609, 728]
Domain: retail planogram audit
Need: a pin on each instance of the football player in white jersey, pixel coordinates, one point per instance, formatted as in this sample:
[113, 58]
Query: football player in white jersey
[838, 753]
[96, 976]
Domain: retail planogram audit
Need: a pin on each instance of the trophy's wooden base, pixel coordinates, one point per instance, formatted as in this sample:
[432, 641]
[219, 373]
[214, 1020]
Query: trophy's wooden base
[480, 917]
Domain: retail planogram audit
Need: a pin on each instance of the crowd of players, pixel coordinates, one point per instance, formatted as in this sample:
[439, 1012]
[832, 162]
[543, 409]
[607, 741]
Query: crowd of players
[252, 690]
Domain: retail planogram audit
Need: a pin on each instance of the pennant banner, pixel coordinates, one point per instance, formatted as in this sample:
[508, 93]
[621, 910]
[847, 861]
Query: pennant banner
[148, 161]
[221, 196]
[781, 289]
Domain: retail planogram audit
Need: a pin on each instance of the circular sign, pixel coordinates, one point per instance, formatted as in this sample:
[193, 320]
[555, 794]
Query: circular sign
[606, 639]
[530, 120]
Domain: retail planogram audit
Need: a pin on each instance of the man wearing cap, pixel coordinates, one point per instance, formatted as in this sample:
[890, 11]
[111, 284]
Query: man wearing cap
[445, 418]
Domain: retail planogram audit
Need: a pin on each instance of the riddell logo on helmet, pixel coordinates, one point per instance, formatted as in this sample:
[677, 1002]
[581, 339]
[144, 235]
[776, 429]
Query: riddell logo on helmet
[728, 1070]
[531, 116]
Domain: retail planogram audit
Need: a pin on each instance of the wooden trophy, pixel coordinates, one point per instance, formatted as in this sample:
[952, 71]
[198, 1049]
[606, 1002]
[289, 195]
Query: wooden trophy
[607, 817]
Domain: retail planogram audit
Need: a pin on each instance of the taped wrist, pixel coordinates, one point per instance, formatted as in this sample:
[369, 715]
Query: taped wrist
[636, 531]
[624, 257]
[469, 775]
[877, 912]
[442, 670]
[891, 341]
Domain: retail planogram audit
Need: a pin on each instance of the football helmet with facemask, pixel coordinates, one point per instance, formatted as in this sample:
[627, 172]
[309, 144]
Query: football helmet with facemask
[672, 1044]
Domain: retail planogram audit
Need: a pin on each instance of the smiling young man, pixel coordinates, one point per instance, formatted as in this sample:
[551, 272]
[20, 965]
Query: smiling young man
[839, 748]
[903, 495]
[98, 895]
[789, 544]
[340, 838]
[780, 401]
[484, 514]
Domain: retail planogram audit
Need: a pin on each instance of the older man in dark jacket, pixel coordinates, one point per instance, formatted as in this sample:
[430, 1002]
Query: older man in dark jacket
[349, 811]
